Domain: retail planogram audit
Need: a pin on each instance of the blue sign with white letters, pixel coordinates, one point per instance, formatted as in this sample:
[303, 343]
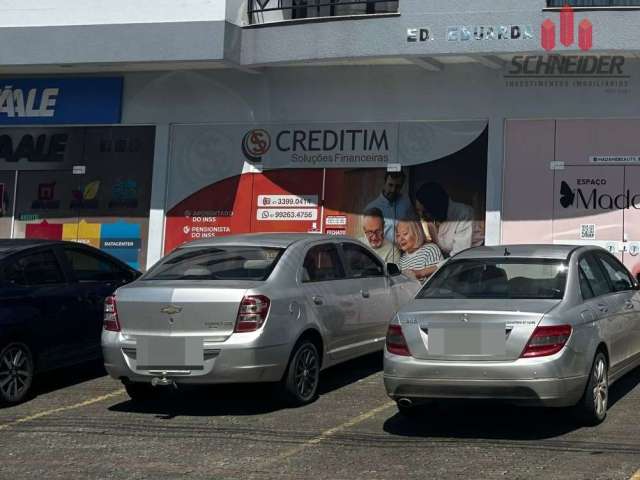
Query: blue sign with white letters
[60, 101]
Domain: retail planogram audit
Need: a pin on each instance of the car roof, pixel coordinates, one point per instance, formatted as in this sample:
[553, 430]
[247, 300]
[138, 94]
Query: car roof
[15, 245]
[8, 247]
[559, 252]
[277, 240]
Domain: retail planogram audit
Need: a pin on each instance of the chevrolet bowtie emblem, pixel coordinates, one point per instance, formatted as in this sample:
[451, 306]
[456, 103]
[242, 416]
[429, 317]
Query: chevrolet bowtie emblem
[171, 310]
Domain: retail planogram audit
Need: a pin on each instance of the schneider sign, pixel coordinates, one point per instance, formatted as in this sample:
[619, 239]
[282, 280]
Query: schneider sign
[60, 101]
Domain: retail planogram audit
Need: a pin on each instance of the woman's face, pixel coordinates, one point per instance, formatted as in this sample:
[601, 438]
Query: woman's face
[405, 238]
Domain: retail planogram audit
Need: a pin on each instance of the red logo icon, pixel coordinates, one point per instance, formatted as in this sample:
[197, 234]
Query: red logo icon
[567, 31]
[255, 144]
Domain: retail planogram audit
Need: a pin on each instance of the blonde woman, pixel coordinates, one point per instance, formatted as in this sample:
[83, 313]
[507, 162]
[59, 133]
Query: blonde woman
[419, 259]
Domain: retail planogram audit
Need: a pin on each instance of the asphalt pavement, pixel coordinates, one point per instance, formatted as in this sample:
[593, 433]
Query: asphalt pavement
[81, 425]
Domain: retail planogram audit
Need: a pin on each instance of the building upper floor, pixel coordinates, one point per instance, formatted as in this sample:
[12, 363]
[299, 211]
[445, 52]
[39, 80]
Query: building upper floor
[98, 35]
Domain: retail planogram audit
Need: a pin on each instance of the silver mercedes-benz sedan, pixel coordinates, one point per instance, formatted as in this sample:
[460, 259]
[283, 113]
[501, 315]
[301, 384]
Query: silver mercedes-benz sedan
[542, 325]
[251, 308]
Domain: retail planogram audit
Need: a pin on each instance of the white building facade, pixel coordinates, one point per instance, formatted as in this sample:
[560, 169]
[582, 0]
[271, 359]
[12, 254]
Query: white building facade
[141, 125]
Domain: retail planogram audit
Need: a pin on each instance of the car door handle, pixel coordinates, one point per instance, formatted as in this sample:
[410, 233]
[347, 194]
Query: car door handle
[317, 299]
[365, 293]
[603, 308]
[628, 305]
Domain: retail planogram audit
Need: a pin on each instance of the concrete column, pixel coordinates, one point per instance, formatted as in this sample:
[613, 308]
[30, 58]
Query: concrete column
[158, 195]
[495, 168]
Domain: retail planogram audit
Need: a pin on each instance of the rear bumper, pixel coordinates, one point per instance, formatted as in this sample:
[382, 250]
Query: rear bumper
[224, 362]
[527, 382]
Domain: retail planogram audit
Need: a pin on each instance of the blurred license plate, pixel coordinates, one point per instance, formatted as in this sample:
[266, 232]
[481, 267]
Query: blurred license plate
[484, 339]
[169, 353]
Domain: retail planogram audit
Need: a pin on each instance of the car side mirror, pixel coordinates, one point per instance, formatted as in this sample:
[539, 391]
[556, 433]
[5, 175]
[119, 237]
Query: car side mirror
[393, 270]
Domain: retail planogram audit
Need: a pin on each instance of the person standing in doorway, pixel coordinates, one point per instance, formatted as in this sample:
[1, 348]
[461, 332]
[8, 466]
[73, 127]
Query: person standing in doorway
[393, 204]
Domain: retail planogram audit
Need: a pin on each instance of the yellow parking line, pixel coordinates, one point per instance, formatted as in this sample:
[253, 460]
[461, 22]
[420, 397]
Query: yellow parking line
[63, 409]
[636, 476]
[328, 433]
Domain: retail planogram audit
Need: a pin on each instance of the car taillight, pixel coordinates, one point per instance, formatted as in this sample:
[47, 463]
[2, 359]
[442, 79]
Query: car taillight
[547, 341]
[110, 321]
[252, 313]
[396, 343]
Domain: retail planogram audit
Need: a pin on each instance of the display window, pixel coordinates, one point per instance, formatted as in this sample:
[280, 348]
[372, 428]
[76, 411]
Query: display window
[96, 191]
[414, 192]
[574, 182]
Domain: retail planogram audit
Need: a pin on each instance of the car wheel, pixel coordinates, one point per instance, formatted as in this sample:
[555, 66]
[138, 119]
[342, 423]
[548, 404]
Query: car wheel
[140, 392]
[16, 372]
[303, 375]
[592, 409]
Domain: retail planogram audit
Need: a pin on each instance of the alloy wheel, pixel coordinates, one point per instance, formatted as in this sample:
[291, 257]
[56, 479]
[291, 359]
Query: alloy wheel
[16, 372]
[600, 387]
[306, 373]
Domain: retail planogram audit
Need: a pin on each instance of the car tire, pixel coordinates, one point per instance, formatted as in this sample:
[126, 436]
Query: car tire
[16, 372]
[140, 392]
[592, 408]
[300, 382]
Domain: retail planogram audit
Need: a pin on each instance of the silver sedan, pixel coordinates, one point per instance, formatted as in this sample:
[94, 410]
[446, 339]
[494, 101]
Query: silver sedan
[251, 308]
[541, 325]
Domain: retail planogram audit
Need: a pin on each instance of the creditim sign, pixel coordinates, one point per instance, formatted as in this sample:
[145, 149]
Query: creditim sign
[59, 101]
[337, 145]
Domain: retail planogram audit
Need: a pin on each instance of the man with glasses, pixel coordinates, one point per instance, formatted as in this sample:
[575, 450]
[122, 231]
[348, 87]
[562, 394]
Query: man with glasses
[373, 228]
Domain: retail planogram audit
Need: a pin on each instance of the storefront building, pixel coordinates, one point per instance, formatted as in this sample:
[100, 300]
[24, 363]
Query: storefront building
[68, 171]
[523, 118]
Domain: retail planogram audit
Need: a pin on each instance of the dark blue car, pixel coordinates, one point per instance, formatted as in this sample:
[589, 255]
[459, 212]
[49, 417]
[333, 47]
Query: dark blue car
[51, 308]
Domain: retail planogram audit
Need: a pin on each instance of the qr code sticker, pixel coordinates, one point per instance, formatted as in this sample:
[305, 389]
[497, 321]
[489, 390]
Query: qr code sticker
[588, 231]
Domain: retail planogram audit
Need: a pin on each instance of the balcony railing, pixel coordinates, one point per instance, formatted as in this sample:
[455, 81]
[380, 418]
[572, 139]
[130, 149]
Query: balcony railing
[594, 3]
[265, 11]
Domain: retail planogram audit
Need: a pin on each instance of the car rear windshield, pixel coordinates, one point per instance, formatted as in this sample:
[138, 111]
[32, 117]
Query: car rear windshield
[217, 263]
[498, 279]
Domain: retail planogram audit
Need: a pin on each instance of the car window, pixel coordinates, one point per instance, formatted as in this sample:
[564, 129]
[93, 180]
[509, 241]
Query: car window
[585, 287]
[595, 277]
[620, 278]
[218, 263]
[322, 263]
[360, 263]
[88, 267]
[34, 269]
[498, 278]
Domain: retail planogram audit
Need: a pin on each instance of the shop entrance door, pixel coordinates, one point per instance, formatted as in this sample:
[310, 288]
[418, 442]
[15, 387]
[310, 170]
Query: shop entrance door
[599, 205]
[596, 185]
